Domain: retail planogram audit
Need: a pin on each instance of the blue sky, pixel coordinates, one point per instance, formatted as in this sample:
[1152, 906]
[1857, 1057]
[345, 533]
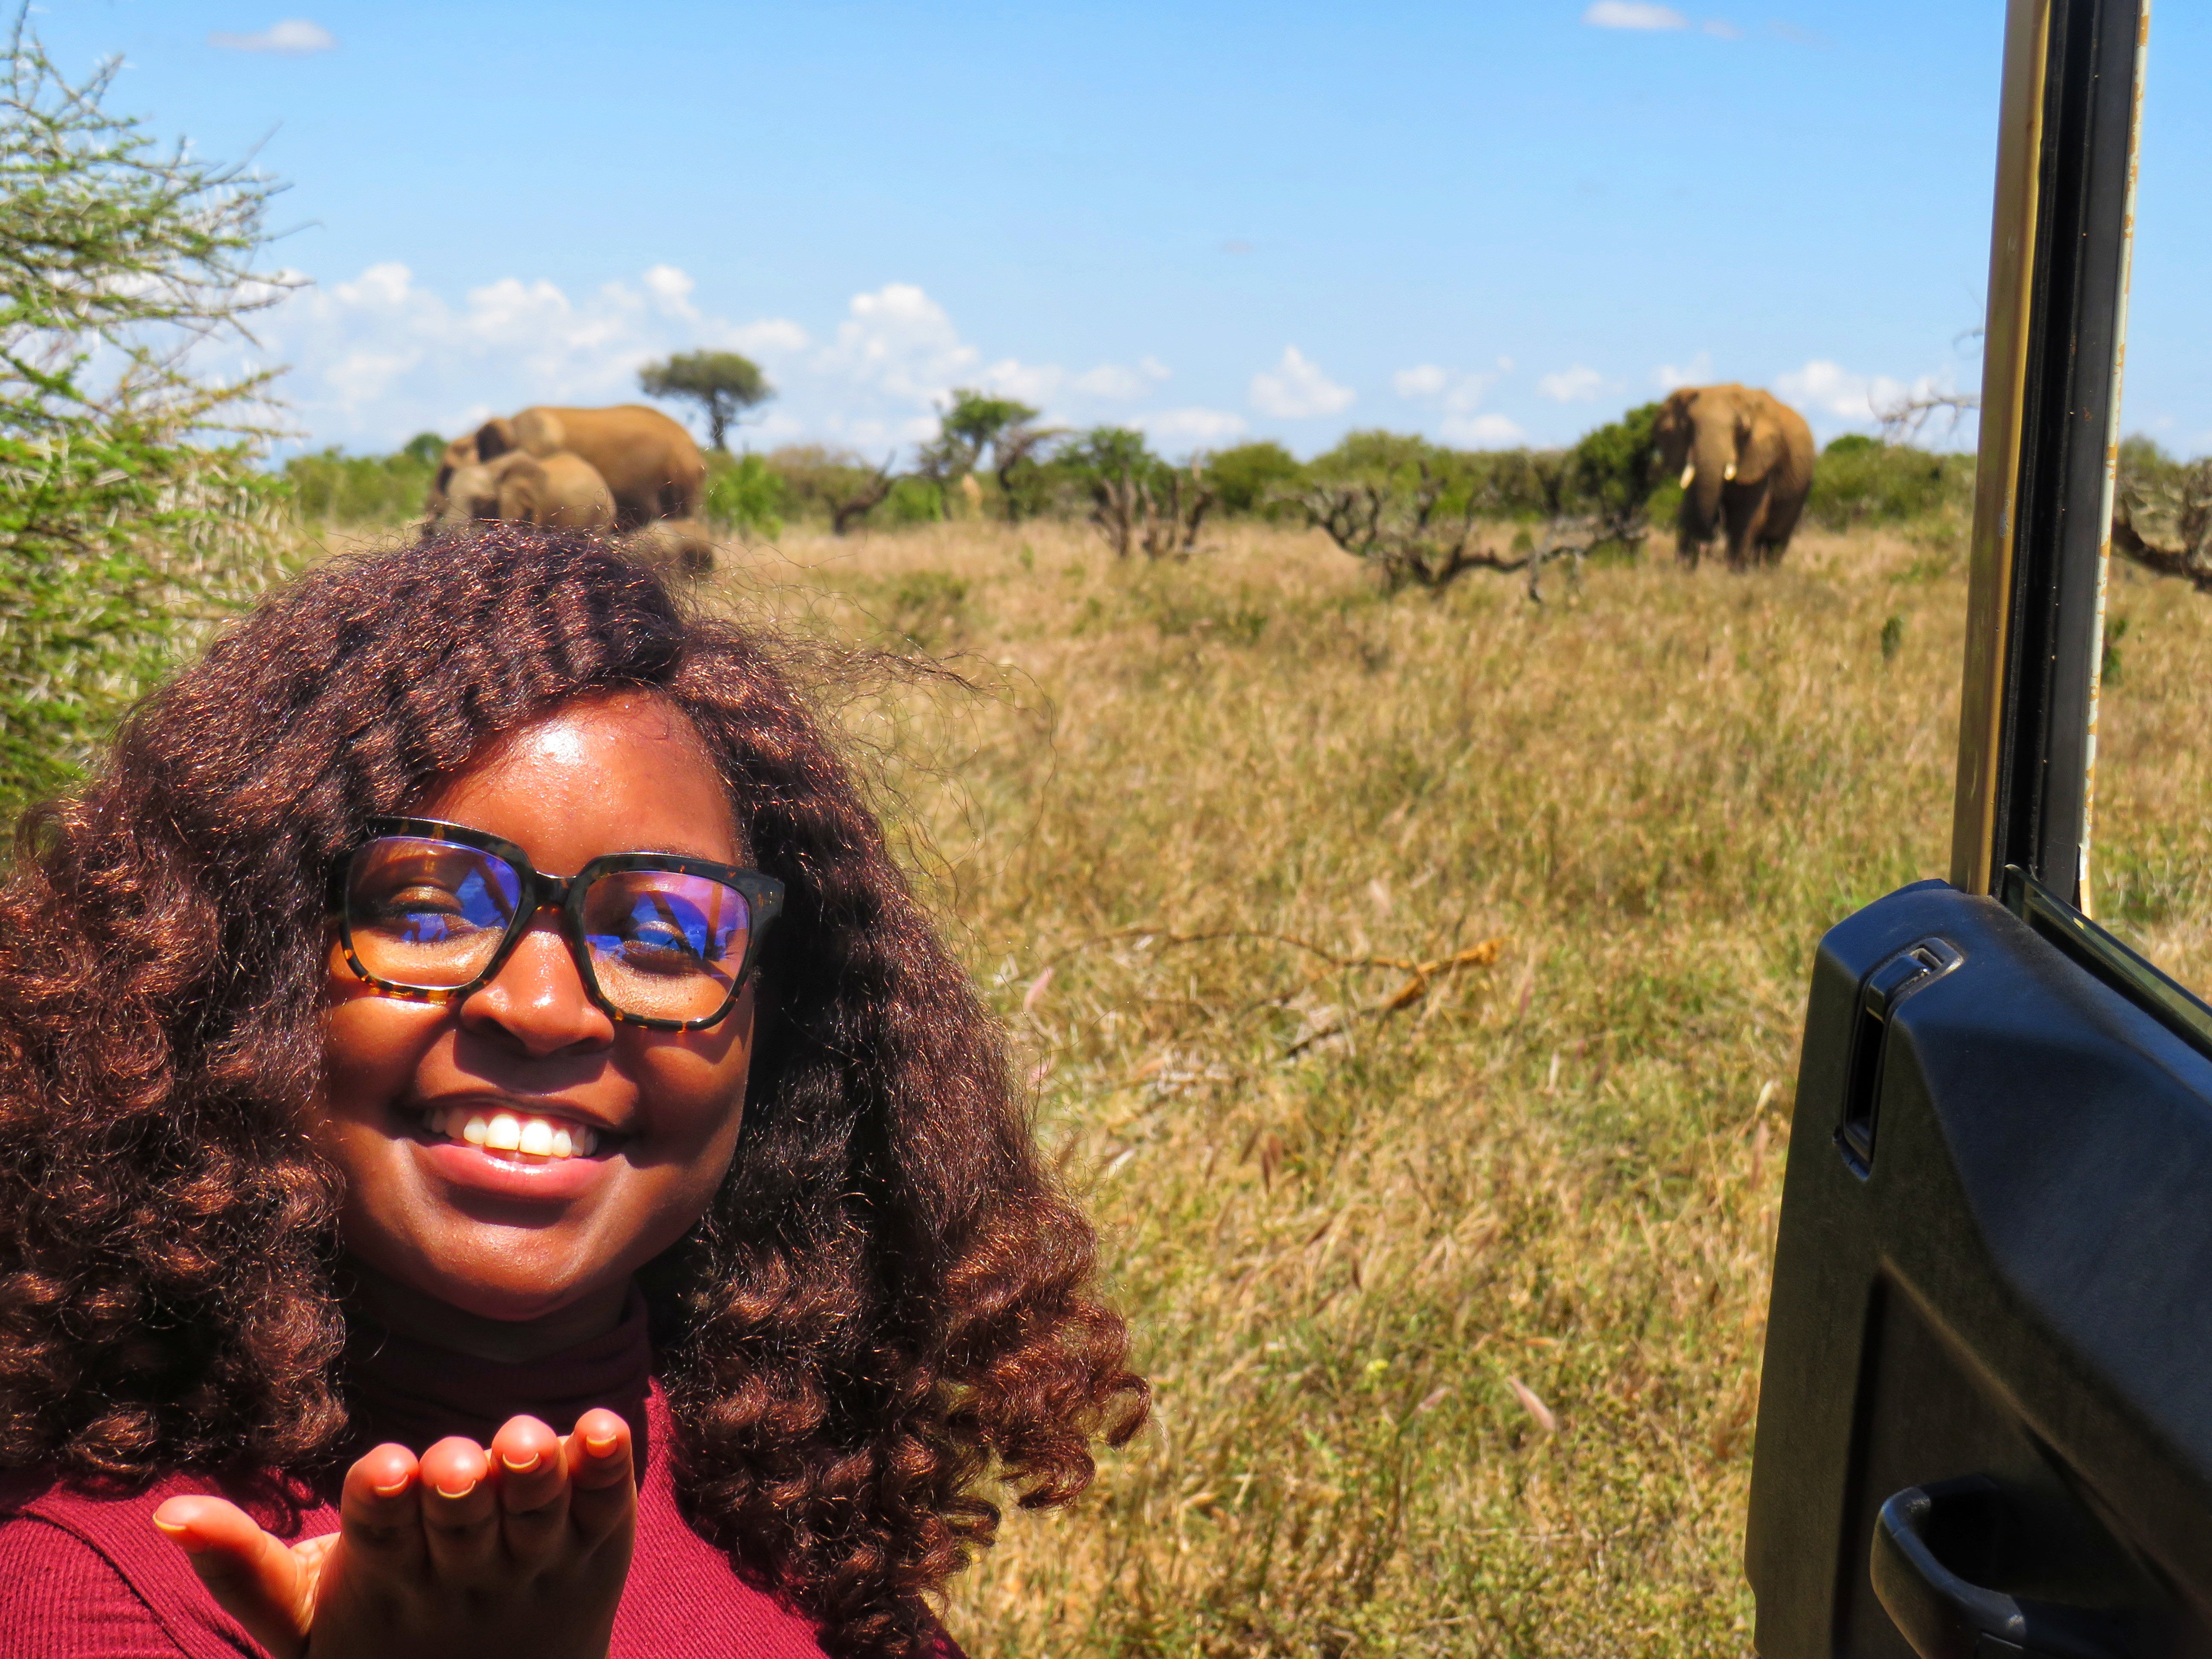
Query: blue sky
[1495, 222]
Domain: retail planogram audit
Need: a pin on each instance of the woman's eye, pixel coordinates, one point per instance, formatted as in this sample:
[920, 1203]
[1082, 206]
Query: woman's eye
[422, 910]
[659, 939]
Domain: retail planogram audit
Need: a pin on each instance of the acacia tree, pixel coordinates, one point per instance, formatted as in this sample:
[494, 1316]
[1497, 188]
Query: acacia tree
[723, 383]
[133, 513]
[973, 423]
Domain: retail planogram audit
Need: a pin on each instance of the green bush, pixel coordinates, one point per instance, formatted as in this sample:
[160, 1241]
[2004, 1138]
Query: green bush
[1859, 480]
[745, 495]
[1613, 471]
[329, 487]
[134, 511]
[1251, 480]
[915, 500]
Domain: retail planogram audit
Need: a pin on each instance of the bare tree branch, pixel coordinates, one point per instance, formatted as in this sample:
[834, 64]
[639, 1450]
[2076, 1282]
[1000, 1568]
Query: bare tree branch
[1903, 420]
[847, 510]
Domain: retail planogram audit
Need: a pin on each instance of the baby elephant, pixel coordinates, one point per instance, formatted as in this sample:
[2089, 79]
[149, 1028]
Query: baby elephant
[559, 492]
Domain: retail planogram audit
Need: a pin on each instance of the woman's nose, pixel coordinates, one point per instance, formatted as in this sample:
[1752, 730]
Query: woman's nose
[537, 999]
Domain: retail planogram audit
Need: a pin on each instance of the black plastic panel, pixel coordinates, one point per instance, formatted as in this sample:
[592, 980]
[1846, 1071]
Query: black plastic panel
[2019, 1285]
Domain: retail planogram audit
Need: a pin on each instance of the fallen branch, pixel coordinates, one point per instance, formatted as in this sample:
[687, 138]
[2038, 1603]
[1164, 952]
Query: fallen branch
[1421, 975]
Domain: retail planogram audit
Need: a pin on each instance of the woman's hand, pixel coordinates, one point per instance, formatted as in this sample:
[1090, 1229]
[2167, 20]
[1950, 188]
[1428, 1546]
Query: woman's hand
[461, 1554]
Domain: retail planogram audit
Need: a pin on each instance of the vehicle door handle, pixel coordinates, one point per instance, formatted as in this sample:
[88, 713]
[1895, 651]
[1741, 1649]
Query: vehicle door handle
[1945, 1616]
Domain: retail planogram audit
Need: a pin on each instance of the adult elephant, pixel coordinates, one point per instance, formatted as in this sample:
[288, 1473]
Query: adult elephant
[1747, 461]
[649, 462]
[562, 492]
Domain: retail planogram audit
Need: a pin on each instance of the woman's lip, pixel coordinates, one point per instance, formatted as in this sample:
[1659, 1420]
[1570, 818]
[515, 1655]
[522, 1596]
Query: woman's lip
[503, 1175]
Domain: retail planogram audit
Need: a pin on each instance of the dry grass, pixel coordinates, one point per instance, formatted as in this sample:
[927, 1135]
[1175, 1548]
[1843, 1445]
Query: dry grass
[1454, 1310]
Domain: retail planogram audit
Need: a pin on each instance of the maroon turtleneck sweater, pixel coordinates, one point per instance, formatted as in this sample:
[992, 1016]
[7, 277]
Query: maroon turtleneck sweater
[84, 1575]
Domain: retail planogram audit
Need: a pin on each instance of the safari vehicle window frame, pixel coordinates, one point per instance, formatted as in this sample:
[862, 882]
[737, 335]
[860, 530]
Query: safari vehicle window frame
[2060, 254]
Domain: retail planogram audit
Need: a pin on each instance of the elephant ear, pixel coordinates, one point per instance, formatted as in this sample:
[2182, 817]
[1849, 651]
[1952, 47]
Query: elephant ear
[1671, 430]
[1760, 447]
[494, 438]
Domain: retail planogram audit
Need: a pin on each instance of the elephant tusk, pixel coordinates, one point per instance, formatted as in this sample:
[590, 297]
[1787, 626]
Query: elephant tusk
[1688, 473]
[1727, 473]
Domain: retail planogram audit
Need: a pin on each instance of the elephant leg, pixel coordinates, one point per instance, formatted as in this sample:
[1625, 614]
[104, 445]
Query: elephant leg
[1688, 544]
[1747, 518]
[1782, 516]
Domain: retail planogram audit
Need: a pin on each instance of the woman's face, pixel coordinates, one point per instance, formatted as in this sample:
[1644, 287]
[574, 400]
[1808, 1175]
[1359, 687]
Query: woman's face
[507, 1236]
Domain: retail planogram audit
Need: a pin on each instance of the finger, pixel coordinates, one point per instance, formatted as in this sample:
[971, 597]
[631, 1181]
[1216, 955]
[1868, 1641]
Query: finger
[379, 1514]
[253, 1577]
[532, 1477]
[604, 1497]
[460, 1510]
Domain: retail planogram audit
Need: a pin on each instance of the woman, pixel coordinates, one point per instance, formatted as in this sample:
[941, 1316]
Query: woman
[494, 1161]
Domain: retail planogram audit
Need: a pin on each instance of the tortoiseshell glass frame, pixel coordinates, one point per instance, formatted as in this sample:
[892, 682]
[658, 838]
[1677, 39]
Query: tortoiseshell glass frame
[763, 896]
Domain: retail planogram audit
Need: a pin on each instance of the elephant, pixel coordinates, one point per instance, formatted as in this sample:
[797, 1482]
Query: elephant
[649, 461]
[560, 491]
[1747, 461]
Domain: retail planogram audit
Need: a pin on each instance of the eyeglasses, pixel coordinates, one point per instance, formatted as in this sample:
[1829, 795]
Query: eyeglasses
[432, 911]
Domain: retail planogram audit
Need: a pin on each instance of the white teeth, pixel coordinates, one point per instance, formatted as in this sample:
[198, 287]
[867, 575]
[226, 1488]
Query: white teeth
[506, 1131]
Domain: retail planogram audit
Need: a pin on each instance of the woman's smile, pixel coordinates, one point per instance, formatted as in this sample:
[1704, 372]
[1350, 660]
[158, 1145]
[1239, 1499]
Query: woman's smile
[513, 1149]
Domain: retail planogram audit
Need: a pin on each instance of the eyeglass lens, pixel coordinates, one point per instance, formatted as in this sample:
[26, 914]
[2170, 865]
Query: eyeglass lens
[432, 914]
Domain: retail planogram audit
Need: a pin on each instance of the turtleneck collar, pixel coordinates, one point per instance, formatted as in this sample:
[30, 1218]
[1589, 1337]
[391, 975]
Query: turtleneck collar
[413, 1393]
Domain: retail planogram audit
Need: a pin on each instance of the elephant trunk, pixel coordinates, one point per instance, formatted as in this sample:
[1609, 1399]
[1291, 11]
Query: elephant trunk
[1712, 464]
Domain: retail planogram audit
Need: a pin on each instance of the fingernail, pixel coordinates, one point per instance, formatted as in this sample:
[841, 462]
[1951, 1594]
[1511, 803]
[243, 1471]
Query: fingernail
[391, 1491]
[600, 1444]
[181, 1536]
[514, 1468]
[463, 1493]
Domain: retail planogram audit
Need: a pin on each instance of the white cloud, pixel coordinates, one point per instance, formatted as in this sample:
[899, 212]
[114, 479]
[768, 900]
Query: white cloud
[899, 340]
[1633, 14]
[1721, 29]
[1578, 385]
[1698, 372]
[295, 37]
[380, 356]
[1117, 381]
[769, 337]
[1296, 389]
[671, 291]
[1027, 383]
[1422, 380]
[1829, 388]
[1195, 428]
[1454, 391]
[1484, 431]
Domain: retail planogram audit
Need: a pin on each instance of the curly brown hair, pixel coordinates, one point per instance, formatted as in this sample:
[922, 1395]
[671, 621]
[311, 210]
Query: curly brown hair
[887, 1302]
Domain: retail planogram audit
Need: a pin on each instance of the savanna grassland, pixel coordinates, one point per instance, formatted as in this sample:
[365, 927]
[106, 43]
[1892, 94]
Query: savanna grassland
[1412, 989]
[1451, 1279]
